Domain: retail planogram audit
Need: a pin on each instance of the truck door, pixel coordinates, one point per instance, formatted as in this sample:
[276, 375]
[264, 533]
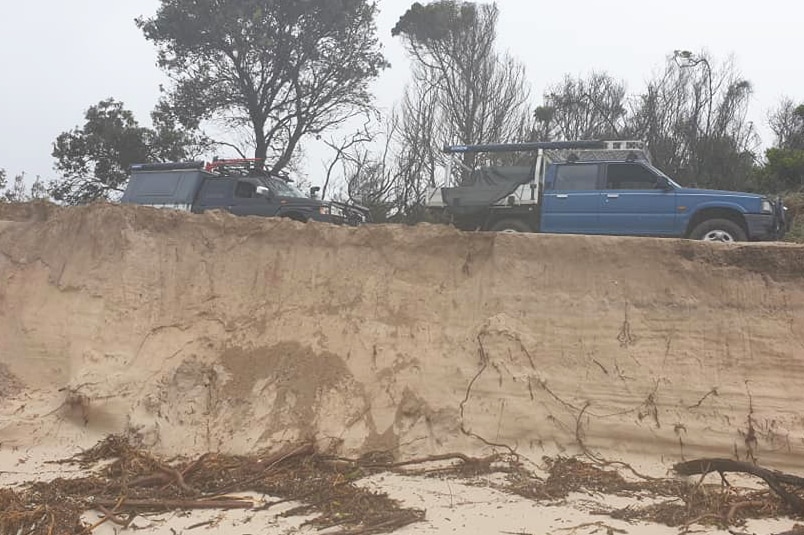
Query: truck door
[247, 202]
[571, 199]
[636, 202]
[215, 194]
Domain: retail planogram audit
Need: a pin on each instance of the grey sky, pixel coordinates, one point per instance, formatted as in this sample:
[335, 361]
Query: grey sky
[59, 57]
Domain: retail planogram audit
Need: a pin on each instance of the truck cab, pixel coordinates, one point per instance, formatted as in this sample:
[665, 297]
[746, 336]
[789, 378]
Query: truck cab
[593, 187]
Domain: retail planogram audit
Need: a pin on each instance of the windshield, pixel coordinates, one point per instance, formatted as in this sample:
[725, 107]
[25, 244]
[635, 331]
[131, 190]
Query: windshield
[281, 188]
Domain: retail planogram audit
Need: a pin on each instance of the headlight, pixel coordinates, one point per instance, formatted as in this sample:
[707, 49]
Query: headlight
[334, 210]
[767, 206]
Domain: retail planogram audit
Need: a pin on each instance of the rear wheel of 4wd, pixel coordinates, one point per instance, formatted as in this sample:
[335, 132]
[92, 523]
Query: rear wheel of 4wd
[722, 230]
[511, 225]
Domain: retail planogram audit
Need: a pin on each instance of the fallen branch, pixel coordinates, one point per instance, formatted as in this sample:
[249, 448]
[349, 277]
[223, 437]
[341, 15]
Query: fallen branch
[270, 462]
[177, 504]
[391, 524]
[699, 520]
[114, 518]
[178, 477]
[108, 515]
[201, 524]
[609, 529]
[454, 456]
[742, 505]
[773, 478]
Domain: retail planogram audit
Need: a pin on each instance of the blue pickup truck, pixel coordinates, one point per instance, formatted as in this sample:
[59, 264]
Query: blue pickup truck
[592, 187]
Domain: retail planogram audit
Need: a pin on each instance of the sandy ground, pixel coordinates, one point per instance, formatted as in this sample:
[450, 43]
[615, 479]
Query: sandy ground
[214, 333]
[471, 506]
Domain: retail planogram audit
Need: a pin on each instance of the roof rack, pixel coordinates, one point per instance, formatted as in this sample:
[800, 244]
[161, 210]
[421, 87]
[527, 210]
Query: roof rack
[240, 167]
[166, 166]
[567, 151]
[236, 166]
[524, 147]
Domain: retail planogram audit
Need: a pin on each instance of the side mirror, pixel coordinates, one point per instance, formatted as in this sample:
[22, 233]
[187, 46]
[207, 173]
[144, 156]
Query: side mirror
[313, 191]
[262, 191]
[663, 183]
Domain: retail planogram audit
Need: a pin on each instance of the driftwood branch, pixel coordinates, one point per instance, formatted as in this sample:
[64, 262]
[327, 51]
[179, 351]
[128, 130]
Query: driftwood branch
[268, 463]
[177, 504]
[773, 478]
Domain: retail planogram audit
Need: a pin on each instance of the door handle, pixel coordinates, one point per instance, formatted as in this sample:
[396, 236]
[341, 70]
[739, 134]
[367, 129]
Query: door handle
[612, 195]
[561, 196]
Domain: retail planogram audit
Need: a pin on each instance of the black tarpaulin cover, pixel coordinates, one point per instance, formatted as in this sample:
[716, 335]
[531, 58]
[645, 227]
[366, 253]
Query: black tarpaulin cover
[484, 187]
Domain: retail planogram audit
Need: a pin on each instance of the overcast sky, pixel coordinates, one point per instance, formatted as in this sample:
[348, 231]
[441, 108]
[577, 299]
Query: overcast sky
[59, 57]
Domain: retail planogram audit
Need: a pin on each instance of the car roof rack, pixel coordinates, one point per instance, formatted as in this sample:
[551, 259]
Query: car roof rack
[242, 167]
[166, 166]
[567, 151]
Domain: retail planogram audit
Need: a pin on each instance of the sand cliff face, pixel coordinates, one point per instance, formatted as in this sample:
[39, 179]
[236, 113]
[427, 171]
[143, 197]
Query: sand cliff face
[213, 332]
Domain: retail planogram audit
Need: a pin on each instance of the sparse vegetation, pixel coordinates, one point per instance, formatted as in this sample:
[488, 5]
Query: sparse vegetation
[795, 213]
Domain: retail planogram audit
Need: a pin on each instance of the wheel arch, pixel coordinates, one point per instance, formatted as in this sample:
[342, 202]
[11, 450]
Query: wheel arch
[527, 217]
[716, 212]
[295, 216]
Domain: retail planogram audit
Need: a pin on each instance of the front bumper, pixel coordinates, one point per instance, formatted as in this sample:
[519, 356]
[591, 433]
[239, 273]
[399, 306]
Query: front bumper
[342, 214]
[766, 227]
[350, 214]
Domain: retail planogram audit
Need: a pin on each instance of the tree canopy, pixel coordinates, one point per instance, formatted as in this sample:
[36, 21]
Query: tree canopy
[785, 161]
[93, 160]
[277, 70]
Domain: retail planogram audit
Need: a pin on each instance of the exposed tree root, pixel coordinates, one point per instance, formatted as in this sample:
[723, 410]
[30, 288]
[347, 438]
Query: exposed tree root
[774, 479]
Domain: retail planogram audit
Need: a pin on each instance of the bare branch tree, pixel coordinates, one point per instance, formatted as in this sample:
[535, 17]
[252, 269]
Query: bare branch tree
[344, 148]
[693, 115]
[463, 91]
[787, 124]
[578, 108]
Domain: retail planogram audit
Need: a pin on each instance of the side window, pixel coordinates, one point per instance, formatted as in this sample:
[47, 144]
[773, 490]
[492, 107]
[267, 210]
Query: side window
[629, 176]
[245, 190]
[576, 177]
[217, 190]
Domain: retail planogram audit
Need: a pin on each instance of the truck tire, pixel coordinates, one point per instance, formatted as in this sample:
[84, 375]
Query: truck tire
[722, 230]
[511, 225]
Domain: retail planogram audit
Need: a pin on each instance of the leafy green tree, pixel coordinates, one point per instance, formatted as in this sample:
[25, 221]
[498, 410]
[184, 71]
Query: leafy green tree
[274, 70]
[93, 160]
[784, 168]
